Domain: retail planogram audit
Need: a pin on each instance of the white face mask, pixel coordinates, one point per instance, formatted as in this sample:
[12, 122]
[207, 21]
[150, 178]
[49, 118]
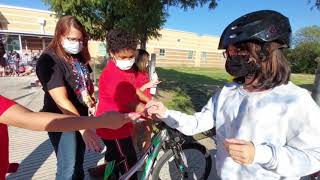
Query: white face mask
[72, 47]
[124, 64]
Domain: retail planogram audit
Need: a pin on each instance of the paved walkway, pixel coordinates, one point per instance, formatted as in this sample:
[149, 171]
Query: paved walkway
[33, 149]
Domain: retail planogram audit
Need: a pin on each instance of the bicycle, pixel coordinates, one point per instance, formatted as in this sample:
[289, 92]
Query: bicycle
[175, 157]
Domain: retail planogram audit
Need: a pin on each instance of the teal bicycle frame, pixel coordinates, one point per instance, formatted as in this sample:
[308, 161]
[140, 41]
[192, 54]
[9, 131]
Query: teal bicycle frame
[149, 157]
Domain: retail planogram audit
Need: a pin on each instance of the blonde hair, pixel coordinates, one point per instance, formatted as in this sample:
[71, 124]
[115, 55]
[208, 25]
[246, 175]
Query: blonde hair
[141, 60]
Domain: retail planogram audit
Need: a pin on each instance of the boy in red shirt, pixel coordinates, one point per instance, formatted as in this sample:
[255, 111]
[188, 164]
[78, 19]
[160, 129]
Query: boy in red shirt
[117, 92]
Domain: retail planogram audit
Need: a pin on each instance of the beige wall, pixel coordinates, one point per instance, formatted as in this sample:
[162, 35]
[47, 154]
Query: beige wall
[17, 20]
[181, 48]
[186, 49]
[26, 20]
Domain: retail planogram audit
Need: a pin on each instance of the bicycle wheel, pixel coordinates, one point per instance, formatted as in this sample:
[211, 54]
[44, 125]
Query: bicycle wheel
[196, 160]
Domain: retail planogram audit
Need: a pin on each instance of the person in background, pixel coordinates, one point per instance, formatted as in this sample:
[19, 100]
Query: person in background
[142, 131]
[3, 62]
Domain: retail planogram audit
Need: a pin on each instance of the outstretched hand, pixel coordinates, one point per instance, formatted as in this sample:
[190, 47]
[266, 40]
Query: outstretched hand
[155, 108]
[132, 116]
[240, 151]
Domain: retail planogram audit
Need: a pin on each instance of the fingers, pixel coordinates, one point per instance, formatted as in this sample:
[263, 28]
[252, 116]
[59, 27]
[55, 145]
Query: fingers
[133, 116]
[239, 150]
[96, 145]
[152, 103]
[92, 141]
[236, 141]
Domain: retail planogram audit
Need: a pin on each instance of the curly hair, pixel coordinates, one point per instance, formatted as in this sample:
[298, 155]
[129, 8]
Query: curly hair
[118, 40]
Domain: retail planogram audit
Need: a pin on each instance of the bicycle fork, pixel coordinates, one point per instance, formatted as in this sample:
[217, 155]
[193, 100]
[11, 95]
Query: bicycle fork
[178, 159]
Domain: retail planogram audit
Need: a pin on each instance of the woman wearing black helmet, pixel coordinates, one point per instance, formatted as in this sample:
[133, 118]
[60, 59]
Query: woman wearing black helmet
[267, 127]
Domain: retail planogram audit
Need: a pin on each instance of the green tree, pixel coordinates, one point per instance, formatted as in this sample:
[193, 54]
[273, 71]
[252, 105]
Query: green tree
[99, 16]
[142, 17]
[305, 50]
[185, 4]
[302, 57]
[316, 4]
[307, 34]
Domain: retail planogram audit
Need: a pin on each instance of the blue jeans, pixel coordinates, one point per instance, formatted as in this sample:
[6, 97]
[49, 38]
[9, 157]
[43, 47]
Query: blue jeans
[69, 148]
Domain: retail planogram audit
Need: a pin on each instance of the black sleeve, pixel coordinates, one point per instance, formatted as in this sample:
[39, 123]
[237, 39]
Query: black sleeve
[49, 73]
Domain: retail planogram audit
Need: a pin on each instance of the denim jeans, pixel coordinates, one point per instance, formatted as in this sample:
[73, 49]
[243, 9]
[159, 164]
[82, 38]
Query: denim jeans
[69, 148]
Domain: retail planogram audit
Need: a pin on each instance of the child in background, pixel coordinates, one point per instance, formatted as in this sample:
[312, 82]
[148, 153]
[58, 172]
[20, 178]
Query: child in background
[142, 131]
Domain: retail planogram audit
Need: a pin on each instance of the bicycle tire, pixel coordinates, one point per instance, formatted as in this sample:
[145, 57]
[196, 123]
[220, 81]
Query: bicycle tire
[169, 154]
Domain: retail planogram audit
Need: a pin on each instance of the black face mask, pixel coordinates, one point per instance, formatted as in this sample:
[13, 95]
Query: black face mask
[238, 66]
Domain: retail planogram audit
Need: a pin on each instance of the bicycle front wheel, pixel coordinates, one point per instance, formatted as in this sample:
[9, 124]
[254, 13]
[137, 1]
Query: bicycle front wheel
[195, 159]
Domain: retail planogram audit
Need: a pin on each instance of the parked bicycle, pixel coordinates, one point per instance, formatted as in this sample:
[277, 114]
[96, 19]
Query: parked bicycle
[180, 160]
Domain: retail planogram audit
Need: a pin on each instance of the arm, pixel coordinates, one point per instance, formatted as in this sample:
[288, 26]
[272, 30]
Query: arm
[187, 124]
[142, 96]
[150, 84]
[300, 155]
[60, 97]
[22, 117]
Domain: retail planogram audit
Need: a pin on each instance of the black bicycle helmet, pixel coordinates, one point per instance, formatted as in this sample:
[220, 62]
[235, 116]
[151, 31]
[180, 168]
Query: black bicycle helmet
[262, 26]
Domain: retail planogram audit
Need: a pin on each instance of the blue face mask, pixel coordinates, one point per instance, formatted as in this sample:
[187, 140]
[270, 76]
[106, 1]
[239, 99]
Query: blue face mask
[72, 47]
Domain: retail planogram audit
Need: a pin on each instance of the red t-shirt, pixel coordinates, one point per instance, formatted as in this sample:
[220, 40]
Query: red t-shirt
[117, 89]
[4, 138]
[141, 79]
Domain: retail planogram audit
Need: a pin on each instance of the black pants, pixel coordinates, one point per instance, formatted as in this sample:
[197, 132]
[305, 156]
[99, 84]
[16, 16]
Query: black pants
[78, 173]
[122, 151]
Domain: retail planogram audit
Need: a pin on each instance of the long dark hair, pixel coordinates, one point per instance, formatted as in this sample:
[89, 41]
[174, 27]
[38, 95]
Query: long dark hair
[63, 27]
[273, 68]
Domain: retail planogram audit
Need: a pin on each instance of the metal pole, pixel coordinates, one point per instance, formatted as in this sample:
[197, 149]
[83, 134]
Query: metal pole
[152, 72]
[316, 87]
[94, 71]
[152, 65]
[20, 44]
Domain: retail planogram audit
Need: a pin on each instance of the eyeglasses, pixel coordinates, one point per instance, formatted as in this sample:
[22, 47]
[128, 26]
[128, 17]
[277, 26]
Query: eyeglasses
[74, 39]
[235, 52]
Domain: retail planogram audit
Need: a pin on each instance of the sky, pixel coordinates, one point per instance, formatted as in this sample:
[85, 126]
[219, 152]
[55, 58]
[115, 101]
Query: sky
[205, 21]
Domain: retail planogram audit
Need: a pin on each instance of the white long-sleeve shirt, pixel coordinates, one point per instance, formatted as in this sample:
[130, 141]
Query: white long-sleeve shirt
[283, 123]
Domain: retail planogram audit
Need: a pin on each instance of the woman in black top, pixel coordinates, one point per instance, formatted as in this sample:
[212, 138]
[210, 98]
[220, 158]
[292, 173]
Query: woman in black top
[64, 72]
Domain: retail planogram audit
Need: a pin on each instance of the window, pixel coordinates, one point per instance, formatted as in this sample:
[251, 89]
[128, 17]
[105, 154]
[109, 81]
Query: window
[204, 55]
[12, 43]
[162, 52]
[102, 49]
[190, 54]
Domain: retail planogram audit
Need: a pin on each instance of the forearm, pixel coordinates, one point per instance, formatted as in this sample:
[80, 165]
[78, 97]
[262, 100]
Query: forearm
[289, 161]
[143, 88]
[189, 124]
[111, 120]
[142, 96]
[21, 117]
[67, 107]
